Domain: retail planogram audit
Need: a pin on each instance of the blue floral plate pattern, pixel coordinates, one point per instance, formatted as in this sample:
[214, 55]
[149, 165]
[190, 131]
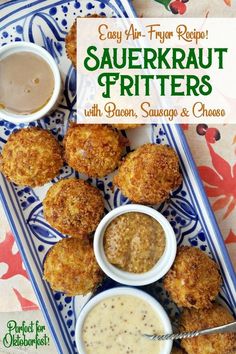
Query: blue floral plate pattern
[46, 23]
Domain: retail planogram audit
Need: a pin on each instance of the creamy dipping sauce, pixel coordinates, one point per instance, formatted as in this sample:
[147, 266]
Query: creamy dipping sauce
[134, 242]
[115, 325]
[26, 83]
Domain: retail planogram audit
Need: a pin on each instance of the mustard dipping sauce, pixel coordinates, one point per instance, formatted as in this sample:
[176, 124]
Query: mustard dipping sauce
[134, 242]
[26, 84]
[116, 324]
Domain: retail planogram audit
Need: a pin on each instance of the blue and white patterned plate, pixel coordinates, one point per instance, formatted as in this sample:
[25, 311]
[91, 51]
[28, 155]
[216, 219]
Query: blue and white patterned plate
[46, 23]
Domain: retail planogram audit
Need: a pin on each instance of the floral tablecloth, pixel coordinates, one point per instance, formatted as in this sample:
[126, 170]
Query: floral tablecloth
[213, 147]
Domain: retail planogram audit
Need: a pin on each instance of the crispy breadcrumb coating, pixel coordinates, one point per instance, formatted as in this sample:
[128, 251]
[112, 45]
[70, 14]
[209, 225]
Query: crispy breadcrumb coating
[71, 42]
[194, 279]
[71, 267]
[73, 207]
[149, 174]
[217, 315]
[31, 157]
[71, 46]
[126, 126]
[93, 149]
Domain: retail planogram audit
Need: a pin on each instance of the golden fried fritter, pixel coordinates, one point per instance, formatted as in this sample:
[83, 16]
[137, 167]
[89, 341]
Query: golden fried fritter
[73, 207]
[71, 42]
[93, 149]
[126, 126]
[194, 279]
[148, 174]
[71, 45]
[71, 267]
[176, 350]
[31, 157]
[217, 315]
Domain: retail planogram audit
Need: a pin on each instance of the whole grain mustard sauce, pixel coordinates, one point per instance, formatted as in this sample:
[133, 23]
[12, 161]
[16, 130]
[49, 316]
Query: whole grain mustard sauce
[134, 242]
[116, 325]
[26, 83]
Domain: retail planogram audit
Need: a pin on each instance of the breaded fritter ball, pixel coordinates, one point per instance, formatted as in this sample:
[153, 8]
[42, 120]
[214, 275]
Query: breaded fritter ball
[71, 267]
[149, 174]
[217, 315]
[71, 42]
[31, 157]
[73, 207]
[194, 279]
[125, 126]
[93, 149]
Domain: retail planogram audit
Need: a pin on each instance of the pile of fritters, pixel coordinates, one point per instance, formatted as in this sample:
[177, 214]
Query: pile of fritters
[193, 283]
[147, 176]
[33, 157]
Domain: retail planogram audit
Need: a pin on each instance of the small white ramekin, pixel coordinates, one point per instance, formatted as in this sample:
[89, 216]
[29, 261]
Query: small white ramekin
[56, 96]
[161, 313]
[128, 278]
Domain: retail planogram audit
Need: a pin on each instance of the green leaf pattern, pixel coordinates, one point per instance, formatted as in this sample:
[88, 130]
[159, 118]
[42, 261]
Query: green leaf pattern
[165, 3]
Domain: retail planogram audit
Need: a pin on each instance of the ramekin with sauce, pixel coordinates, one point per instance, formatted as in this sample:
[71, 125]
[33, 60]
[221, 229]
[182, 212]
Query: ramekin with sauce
[30, 86]
[135, 245]
[115, 320]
